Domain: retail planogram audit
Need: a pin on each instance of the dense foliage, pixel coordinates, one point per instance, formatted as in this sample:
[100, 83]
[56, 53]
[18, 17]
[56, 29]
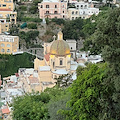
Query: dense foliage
[31, 107]
[28, 36]
[86, 92]
[10, 64]
[106, 41]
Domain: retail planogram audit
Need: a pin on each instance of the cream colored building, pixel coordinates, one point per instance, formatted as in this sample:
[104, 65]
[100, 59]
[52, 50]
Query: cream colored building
[7, 4]
[8, 15]
[9, 44]
[7, 11]
[73, 13]
[4, 26]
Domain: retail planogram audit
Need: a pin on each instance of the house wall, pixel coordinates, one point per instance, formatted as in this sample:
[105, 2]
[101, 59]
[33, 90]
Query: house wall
[7, 4]
[59, 7]
[45, 76]
[73, 13]
[8, 44]
[38, 63]
[4, 26]
[4, 14]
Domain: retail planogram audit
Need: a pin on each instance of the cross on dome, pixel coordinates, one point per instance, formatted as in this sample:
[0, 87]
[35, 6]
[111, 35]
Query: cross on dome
[54, 37]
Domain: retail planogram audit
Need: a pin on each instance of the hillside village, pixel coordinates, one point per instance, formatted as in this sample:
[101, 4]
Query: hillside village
[41, 28]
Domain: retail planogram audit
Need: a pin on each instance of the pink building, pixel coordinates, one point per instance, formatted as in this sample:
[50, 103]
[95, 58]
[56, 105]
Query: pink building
[52, 9]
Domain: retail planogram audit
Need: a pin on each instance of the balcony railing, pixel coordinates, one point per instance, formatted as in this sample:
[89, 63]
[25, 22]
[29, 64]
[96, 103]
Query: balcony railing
[52, 13]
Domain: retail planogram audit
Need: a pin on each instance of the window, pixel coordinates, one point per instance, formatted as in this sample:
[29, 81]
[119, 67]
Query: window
[8, 45]
[47, 12]
[53, 64]
[85, 6]
[55, 12]
[55, 6]
[63, 11]
[2, 45]
[8, 50]
[72, 18]
[76, 12]
[4, 5]
[81, 6]
[72, 12]
[71, 48]
[61, 62]
[47, 6]
[41, 6]
[77, 5]
[7, 15]
[2, 50]
[63, 16]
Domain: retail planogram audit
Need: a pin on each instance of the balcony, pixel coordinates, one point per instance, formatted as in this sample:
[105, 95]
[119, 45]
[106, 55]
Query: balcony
[52, 13]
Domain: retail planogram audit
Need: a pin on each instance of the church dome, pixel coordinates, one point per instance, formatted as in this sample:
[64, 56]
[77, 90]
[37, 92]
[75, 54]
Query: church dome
[60, 47]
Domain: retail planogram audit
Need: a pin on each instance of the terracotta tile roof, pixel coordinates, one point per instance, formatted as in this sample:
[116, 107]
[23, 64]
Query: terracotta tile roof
[5, 10]
[5, 111]
[47, 57]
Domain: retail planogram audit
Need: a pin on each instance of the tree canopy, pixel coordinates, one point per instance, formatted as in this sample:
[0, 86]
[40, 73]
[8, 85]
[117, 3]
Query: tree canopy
[106, 41]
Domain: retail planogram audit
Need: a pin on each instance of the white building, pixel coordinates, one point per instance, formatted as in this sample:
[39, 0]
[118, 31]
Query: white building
[86, 10]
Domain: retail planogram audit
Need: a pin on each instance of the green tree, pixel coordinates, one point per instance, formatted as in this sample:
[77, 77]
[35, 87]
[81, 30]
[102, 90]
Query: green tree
[86, 92]
[31, 107]
[106, 41]
[72, 29]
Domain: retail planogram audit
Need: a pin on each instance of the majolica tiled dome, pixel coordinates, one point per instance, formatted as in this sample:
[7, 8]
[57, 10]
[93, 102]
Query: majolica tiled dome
[60, 47]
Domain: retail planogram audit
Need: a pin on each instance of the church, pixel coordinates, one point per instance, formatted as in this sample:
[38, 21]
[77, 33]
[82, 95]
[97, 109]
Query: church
[57, 62]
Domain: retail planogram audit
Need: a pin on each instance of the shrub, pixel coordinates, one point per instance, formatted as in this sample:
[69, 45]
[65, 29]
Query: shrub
[32, 26]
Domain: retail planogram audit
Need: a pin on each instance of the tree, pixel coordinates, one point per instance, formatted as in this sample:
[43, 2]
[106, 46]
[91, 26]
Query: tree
[59, 98]
[72, 29]
[106, 41]
[86, 92]
[31, 107]
[64, 80]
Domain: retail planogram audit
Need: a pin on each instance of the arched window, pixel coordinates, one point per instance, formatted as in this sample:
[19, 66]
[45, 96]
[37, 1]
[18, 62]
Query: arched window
[47, 12]
[8, 50]
[2, 45]
[8, 45]
[61, 62]
[72, 12]
[2, 50]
